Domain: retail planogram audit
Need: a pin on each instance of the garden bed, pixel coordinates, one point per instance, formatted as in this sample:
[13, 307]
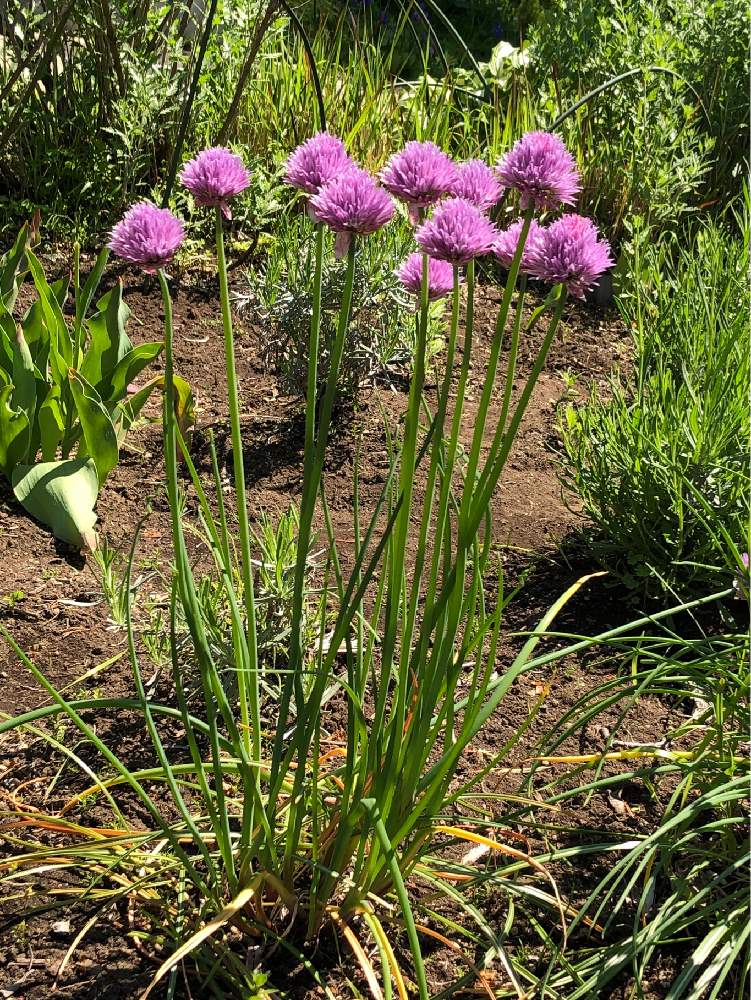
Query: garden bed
[52, 601]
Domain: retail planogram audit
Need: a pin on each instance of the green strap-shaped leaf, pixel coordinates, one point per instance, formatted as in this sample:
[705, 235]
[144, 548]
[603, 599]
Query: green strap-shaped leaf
[62, 496]
[51, 424]
[24, 380]
[108, 341]
[14, 433]
[128, 369]
[185, 412]
[96, 424]
[10, 266]
[86, 294]
[60, 342]
[7, 336]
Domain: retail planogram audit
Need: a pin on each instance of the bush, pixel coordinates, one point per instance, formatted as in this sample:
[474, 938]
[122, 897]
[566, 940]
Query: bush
[664, 447]
[381, 333]
[644, 144]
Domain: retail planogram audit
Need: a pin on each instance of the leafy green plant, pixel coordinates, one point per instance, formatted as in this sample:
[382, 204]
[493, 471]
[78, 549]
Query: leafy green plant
[66, 401]
[660, 460]
[329, 810]
[381, 332]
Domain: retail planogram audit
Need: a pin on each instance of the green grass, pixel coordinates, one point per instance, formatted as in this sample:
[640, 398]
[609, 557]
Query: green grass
[659, 458]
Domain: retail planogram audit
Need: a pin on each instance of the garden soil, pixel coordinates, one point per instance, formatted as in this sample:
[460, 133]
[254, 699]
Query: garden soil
[51, 600]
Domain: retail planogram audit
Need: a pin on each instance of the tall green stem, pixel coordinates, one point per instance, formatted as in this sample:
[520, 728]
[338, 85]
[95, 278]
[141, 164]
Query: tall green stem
[247, 675]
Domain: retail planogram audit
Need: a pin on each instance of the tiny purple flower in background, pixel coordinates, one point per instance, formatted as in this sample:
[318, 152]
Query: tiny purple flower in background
[742, 579]
[440, 276]
[505, 246]
[476, 182]
[316, 162]
[542, 170]
[215, 176]
[456, 232]
[352, 203]
[147, 236]
[419, 175]
[570, 251]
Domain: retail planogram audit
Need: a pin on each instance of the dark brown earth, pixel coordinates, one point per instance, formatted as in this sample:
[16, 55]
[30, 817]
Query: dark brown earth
[50, 599]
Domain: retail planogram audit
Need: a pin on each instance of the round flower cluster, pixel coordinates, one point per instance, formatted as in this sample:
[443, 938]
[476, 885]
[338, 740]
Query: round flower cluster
[449, 202]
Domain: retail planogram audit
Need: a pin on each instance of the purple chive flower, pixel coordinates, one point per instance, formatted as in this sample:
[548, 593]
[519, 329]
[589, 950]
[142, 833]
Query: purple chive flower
[741, 581]
[505, 246]
[215, 176]
[352, 203]
[440, 276]
[147, 236]
[419, 175]
[570, 251]
[316, 162]
[456, 232]
[476, 182]
[542, 170]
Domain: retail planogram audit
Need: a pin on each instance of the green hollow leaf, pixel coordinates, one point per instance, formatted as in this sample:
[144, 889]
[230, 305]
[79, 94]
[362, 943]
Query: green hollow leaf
[14, 432]
[62, 496]
[96, 424]
[51, 424]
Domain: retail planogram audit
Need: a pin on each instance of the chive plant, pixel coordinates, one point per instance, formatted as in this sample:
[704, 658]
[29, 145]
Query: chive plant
[275, 831]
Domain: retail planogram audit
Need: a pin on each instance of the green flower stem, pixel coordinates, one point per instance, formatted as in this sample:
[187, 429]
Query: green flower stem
[513, 354]
[436, 453]
[184, 578]
[247, 673]
[489, 388]
[398, 543]
[307, 709]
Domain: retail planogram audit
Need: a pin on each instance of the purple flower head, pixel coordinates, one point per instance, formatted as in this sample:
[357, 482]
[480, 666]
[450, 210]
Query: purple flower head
[505, 246]
[456, 232]
[419, 175]
[741, 581]
[476, 182]
[440, 276]
[316, 162]
[147, 236]
[542, 170]
[352, 203]
[215, 176]
[570, 251]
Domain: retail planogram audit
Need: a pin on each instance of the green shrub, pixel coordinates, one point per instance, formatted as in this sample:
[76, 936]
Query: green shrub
[644, 145]
[663, 447]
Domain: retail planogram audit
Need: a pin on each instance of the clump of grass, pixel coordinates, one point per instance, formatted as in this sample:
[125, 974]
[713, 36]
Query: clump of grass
[660, 460]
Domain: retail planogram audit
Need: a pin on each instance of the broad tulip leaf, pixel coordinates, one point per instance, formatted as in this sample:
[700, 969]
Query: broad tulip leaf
[62, 496]
[109, 342]
[86, 294]
[10, 266]
[51, 424]
[14, 433]
[52, 314]
[185, 412]
[7, 338]
[129, 368]
[24, 380]
[96, 424]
